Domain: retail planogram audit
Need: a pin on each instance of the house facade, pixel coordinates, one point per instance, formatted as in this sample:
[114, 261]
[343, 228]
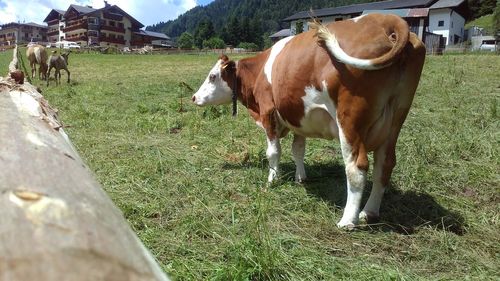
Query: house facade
[441, 17]
[108, 26]
[22, 33]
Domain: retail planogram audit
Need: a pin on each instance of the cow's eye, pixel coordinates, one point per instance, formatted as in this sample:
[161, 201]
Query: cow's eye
[211, 77]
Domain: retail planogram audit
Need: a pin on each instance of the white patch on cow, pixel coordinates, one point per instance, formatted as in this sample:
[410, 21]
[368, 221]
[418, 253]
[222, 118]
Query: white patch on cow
[357, 18]
[273, 154]
[214, 90]
[276, 49]
[259, 124]
[355, 183]
[319, 114]
[38, 54]
[333, 46]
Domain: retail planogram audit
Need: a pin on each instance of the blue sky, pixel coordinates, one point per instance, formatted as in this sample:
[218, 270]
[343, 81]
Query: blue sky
[147, 12]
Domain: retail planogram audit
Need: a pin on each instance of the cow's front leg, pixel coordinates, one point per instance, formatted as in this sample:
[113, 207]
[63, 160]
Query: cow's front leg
[298, 150]
[273, 154]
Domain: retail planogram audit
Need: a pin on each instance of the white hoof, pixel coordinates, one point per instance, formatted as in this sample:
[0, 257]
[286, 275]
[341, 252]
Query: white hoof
[300, 179]
[368, 217]
[346, 224]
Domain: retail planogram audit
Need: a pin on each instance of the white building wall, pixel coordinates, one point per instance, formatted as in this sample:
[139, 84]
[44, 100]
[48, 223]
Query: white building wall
[453, 24]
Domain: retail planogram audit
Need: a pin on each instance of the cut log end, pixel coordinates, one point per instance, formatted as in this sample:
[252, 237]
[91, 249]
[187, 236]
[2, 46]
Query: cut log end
[18, 76]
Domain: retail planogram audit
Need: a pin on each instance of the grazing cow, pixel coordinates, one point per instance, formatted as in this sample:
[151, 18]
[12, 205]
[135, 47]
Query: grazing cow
[353, 80]
[58, 62]
[37, 54]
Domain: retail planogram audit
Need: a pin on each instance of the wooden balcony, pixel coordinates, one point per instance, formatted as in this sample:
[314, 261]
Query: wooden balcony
[113, 28]
[115, 17]
[53, 32]
[53, 22]
[112, 40]
[77, 38]
[82, 25]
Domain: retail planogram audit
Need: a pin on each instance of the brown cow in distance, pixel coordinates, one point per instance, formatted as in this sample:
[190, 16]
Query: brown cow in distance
[37, 54]
[353, 80]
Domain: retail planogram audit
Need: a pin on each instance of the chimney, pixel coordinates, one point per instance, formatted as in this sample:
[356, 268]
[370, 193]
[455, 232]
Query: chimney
[106, 4]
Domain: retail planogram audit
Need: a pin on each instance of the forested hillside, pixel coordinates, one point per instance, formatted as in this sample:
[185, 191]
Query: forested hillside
[232, 22]
[256, 16]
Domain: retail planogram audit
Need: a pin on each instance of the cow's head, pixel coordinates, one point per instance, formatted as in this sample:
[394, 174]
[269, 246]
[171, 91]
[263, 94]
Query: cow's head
[66, 57]
[218, 87]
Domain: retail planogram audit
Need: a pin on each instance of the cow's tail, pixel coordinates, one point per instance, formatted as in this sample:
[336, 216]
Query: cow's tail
[399, 37]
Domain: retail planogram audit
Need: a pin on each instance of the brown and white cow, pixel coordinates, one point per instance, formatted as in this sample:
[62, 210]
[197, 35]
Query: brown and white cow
[353, 80]
[37, 54]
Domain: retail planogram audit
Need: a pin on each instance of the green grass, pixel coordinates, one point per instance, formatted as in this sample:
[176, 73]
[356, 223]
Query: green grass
[485, 22]
[192, 181]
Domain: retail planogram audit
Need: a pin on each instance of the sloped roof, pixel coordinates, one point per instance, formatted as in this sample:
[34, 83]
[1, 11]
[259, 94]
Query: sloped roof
[282, 33]
[447, 4]
[153, 34]
[14, 24]
[87, 10]
[53, 13]
[82, 9]
[404, 13]
[359, 8]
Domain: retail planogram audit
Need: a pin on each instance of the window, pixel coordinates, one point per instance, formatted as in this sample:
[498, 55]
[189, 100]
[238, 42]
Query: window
[93, 33]
[441, 23]
[92, 20]
[338, 19]
[111, 23]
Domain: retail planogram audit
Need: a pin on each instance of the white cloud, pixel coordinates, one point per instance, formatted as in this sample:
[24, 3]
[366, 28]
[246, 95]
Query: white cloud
[147, 12]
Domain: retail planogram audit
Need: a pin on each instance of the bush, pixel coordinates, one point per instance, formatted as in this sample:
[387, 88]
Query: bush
[214, 43]
[248, 46]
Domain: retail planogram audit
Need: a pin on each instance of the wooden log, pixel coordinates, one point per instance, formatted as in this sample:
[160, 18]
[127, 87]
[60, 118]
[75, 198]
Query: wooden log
[56, 222]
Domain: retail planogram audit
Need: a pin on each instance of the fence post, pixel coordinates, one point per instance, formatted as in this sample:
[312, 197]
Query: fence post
[56, 221]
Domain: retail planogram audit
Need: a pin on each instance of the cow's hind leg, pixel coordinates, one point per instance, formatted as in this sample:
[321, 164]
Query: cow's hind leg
[33, 70]
[298, 150]
[273, 154]
[384, 162]
[67, 71]
[356, 166]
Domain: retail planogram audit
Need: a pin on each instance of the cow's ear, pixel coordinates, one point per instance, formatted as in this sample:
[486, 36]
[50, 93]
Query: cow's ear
[224, 58]
[229, 66]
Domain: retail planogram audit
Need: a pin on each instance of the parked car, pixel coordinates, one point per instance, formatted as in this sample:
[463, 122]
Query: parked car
[488, 45]
[64, 45]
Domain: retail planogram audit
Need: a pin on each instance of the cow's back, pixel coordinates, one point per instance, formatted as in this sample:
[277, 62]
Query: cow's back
[37, 54]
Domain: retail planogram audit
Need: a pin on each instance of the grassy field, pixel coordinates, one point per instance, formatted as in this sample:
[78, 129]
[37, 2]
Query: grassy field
[192, 181]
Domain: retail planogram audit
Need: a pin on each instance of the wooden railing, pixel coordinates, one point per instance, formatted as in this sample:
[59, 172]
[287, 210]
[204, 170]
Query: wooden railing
[56, 221]
[82, 25]
[113, 28]
[112, 40]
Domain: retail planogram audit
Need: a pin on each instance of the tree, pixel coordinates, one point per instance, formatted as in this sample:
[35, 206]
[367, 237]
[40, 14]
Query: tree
[204, 31]
[299, 27]
[185, 41]
[214, 43]
[268, 43]
[496, 20]
[233, 31]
